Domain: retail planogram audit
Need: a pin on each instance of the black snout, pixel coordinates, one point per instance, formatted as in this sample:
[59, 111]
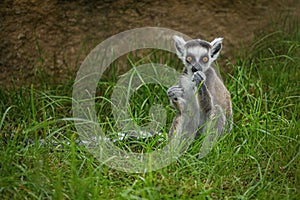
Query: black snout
[194, 69]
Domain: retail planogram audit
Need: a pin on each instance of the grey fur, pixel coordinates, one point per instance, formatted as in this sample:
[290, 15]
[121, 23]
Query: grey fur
[201, 98]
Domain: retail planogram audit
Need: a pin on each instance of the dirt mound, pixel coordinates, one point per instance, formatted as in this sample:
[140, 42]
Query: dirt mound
[56, 35]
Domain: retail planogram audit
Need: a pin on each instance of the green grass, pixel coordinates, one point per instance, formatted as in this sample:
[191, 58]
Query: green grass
[260, 159]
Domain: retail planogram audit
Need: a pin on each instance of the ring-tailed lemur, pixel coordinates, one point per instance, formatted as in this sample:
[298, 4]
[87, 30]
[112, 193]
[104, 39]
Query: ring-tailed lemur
[201, 99]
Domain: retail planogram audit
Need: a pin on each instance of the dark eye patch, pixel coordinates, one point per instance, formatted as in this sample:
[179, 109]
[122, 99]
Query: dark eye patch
[189, 58]
[204, 59]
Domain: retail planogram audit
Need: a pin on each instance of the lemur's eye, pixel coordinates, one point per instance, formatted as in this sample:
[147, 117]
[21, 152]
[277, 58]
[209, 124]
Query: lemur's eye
[189, 58]
[205, 59]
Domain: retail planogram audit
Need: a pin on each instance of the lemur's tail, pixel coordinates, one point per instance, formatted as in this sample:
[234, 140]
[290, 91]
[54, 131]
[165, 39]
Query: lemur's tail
[121, 136]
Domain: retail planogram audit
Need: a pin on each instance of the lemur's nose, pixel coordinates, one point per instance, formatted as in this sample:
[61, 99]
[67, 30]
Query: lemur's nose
[194, 69]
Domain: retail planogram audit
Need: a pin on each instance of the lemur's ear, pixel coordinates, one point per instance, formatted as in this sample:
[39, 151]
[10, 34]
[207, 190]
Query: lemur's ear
[216, 46]
[179, 44]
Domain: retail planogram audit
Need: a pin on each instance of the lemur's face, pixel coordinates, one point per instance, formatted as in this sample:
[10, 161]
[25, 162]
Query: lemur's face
[197, 55]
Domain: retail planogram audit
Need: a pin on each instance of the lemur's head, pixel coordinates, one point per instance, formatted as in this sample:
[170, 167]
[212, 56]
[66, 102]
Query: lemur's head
[197, 55]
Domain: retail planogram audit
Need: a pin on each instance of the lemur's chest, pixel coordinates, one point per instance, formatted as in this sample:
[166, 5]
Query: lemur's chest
[189, 88]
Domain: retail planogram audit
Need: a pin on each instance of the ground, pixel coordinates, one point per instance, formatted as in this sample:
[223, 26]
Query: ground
[56, 35]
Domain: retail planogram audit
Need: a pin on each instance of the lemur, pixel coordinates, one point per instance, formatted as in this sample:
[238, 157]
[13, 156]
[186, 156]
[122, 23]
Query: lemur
[202, 101]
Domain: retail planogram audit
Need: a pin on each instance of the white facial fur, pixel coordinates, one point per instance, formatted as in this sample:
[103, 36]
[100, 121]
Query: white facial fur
[197, 55]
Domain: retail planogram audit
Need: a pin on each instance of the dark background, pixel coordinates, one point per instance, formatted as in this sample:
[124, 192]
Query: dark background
[56, 35]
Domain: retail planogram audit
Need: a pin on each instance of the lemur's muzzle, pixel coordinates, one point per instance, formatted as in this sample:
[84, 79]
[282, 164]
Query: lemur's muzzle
[196, 67]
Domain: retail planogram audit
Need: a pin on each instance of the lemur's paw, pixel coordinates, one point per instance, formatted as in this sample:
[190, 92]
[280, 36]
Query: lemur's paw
[175, 93]
[198, 77]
